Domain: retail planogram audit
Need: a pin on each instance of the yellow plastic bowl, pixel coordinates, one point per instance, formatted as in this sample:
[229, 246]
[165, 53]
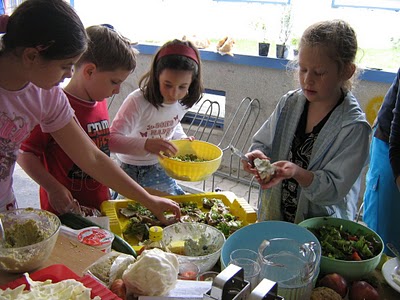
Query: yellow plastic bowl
[192, 171]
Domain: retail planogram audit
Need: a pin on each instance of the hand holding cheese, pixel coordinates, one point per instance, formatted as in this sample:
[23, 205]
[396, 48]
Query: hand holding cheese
[265, 169]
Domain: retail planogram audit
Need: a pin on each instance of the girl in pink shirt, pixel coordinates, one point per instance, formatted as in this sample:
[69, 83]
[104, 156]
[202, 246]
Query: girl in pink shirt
[43, 39]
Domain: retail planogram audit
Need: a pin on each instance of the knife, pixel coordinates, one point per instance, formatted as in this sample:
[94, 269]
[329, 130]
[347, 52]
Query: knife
[241, 155]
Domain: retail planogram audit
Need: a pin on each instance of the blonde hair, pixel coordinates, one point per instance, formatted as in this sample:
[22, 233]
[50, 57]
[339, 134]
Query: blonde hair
[339, 40]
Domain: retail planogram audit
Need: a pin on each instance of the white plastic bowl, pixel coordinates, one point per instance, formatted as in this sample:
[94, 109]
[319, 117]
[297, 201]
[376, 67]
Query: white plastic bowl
[180, 232]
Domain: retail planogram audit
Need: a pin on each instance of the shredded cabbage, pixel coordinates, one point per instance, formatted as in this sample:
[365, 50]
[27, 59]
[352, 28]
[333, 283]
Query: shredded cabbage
[68, 289]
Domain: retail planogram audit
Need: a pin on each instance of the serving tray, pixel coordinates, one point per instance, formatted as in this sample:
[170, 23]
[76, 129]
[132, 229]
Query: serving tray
[59, 272]
[238, 207]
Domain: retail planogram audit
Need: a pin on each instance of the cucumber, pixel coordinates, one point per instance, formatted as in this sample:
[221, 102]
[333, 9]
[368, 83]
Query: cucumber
[78, 222]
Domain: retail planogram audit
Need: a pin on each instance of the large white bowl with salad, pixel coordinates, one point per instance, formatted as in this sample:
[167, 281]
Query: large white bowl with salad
[348, 248]
[197, 243]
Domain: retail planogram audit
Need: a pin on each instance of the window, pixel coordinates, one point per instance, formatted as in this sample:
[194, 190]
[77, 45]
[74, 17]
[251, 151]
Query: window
[8, 6]
[157, 21]
[372, 4]
[258, 1]
[162, 20]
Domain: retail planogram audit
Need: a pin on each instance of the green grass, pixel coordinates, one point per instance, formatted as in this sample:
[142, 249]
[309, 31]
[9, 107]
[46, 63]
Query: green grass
[385, 59]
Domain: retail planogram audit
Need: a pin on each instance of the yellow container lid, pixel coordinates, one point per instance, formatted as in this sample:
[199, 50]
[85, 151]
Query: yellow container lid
[155, 233]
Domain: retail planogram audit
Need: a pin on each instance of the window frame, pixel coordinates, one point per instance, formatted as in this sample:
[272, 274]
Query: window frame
[374, 4]
[280, 2]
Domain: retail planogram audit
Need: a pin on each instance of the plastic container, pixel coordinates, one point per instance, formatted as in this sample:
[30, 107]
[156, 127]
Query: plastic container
[207, 276]
[57, 273]
[97, 238]
[188, 271]
[155, 238]
[238, 207]
[190, 170]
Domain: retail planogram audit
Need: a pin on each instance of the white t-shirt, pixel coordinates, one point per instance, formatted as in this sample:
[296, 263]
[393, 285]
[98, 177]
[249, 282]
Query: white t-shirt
[139, 119]
[20, 112]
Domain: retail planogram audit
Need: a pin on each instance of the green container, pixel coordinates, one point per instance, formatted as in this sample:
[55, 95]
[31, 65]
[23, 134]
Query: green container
[351, 270]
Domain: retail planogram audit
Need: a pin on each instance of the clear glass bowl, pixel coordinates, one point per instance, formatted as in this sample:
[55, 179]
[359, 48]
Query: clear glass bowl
[34, 233]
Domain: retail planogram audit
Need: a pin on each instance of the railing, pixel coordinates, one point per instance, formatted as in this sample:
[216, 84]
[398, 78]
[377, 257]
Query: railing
[238, 133]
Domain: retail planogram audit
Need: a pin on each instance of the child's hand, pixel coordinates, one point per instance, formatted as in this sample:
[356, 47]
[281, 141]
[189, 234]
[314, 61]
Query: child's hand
[158, 145]
[62, 201]
[163, 205]
[248, 167]
[284, 170]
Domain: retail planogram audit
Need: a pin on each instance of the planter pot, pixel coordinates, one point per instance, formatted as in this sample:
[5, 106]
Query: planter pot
[282, 51]
[263, 49]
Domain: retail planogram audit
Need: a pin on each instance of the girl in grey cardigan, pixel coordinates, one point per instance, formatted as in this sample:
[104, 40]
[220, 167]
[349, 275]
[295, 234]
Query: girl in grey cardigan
[317, 137]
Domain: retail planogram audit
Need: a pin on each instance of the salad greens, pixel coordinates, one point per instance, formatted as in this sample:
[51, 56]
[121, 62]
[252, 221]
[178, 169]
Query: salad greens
[188, 158]
[212, 212]
[338, 243]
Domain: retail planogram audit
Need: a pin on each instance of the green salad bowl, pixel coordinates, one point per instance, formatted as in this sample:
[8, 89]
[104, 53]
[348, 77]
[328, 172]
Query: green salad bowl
[349, 269]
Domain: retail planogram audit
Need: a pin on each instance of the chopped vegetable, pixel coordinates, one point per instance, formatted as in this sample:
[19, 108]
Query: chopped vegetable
[68, 289]
[188, 158]
[218, 215]
[339, 243]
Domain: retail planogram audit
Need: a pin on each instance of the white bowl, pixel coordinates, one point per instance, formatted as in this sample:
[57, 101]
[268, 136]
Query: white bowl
[203, 235]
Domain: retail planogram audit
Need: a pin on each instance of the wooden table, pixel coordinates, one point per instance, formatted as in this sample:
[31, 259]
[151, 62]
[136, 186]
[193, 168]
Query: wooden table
[74, 255]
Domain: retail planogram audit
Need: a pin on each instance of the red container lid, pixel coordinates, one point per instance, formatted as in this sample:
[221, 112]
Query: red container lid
[96, 237]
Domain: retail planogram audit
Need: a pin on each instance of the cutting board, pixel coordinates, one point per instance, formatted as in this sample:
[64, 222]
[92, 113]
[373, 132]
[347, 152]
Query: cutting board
[76, 256]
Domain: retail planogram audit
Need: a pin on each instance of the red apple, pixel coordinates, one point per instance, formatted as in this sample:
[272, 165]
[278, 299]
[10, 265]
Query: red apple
[362, 290]
[336, 282]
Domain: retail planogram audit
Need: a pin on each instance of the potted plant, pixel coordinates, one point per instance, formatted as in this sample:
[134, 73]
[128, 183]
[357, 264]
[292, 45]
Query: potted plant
[295, 45]
[285, 31]
[263, 46]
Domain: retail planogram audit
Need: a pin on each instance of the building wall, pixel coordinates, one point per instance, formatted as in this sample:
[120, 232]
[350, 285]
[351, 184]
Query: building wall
[240, 81]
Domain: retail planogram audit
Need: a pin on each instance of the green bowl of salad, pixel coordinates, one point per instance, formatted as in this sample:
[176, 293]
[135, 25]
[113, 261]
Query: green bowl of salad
[348, 248]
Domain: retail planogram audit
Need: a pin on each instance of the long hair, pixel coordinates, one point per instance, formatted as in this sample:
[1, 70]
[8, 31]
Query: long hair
[150, 85]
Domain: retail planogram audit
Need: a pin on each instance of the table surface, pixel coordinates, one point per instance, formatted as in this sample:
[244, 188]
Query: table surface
[76, 256]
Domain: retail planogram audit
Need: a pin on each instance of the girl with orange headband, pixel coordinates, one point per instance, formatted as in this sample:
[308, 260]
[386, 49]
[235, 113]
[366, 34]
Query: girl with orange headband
[150, 116]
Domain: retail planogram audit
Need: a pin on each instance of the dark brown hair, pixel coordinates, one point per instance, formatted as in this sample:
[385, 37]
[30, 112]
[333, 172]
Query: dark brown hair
[150, 85]
[51, 26]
